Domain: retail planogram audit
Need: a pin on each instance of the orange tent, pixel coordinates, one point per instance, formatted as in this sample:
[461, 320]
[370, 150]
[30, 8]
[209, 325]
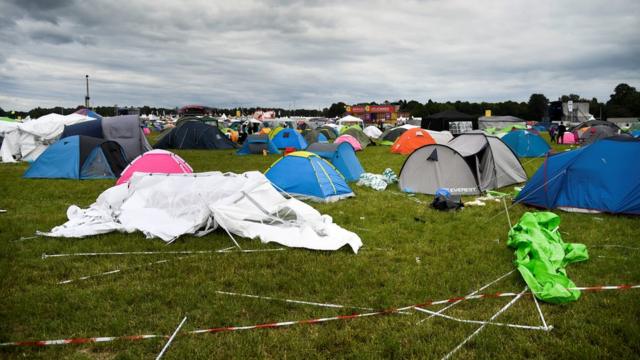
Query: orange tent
[411, 140]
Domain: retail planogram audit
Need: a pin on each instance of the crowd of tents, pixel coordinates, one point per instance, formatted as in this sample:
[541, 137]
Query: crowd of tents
[319, 162]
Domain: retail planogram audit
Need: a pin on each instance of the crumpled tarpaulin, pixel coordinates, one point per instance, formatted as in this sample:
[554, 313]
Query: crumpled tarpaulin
[170, 205]
[541, 256]
[376, 181]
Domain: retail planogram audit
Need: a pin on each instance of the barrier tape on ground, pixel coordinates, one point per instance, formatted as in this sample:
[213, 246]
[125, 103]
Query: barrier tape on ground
[221, 251]
[308, 321]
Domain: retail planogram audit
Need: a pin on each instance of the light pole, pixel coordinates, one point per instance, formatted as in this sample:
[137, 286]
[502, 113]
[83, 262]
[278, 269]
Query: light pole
[86, 98]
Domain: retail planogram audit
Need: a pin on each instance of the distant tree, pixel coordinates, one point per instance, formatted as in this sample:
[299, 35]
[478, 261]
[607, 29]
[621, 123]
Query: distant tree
[624, 102]
[537, 106]
[572, 97]
[2, 113]
[337, 109]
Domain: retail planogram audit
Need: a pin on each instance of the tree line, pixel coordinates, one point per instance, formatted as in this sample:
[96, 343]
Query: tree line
[624, 102]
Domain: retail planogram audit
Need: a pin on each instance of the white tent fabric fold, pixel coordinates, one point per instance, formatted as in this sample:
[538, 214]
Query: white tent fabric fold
[31, 138]
[168, 206]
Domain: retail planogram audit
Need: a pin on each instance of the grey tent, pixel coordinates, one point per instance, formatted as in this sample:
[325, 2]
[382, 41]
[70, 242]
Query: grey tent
[499, 122]
[126, 131]
[390, 135]
[467, 165]
[328, 132]
[592, 130]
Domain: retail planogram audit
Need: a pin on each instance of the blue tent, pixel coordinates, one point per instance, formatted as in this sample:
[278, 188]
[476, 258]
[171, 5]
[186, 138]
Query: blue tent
[600, 177]
[79, 157]
[307, 175]
[91, 128]
[255, 144]
[635, 133]
[289, 138]
[526, 144]
[342, 156]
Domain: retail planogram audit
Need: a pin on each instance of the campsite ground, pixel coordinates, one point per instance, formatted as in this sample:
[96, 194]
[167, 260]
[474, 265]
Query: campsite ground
[411, 254]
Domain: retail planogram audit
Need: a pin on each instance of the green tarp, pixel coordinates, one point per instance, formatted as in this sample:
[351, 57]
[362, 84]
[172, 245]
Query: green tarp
[541, 256]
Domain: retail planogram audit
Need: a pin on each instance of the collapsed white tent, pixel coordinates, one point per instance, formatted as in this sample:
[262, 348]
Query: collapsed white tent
[30, 139]
[170, 205]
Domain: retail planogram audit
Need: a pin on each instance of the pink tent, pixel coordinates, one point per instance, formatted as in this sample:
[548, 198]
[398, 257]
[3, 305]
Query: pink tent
[569, 138]
[146, 131]
[155, 161]
[349, 139]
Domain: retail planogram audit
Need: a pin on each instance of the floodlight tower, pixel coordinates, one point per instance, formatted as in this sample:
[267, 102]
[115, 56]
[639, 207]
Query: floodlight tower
[86, 98]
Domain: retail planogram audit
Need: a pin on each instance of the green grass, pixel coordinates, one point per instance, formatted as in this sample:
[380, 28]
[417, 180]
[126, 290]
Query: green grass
[458, 253]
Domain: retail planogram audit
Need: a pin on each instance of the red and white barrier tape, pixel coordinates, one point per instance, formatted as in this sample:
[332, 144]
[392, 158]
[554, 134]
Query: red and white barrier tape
[293, 301]
[308, 321]
[221, 251]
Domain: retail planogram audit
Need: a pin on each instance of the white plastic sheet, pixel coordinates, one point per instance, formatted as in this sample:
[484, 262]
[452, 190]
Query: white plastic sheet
[168, 206]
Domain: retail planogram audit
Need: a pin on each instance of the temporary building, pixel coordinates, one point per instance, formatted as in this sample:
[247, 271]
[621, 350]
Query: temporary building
[349, 139]
[328, 131]
[311, 136]
[126, 131]
[30, 139]
[526, 144]
[288, 137]
[411, 140]
[342, 156]
[79, 157]
[569, 138]
[451, 120]
[499, 122]
[194, 134]
[595, 178]
[593, 130]
[357, 133]
[308, 176]
[467, 165]
[441, 137]
[257, 144]
[372, 131]
[156, 162]
[389, 136]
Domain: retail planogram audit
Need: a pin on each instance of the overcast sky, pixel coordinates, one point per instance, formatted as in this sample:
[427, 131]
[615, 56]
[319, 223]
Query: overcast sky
[312, 53]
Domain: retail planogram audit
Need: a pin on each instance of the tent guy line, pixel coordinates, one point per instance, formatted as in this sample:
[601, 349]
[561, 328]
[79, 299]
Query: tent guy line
[308, 321]
[221, 251]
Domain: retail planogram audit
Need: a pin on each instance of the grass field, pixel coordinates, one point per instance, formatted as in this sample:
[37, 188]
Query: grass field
[411, 254]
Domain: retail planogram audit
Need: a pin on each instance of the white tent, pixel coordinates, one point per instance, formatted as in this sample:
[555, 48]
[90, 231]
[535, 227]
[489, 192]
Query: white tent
[30, 139]
[441, 137]
[351, 120]
[168, 206]
[372, 131]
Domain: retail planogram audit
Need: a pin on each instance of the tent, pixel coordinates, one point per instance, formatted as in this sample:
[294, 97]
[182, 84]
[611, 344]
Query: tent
[340, 155]
[587, 135]
[311, 136]
[526, 144]
[357, 133]
[256, 144]
[635, 133]
[351, 120]
[598, 177]
[79, 157]
[349, 139]
[328, 131]
[411, 140]
[307, 175]
[126, 131]
[194, 134]
[155, 161]
[498, 122]
[91, 128]
[30, 139]
[467, 165]
[88, 113]
[569, 138]
[288, 137]
[389, 136]
[372, 131]
[441, 137]
[451, 120]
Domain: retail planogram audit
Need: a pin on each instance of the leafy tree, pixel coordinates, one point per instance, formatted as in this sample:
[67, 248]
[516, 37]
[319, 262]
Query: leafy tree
[537, 106]
[337, 109]
[624, 102]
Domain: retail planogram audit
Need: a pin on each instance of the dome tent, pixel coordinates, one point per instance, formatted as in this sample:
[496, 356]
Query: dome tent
[467, 165]
[256, 144]
[372, 131]
[312, 136]
[411, 140]
[389, 136]
[306, 175]
[194, 134]
[359, 135]
[349, 139]
[79, 157]
[342, 156]
[288, 137]
[526, 144]
[595, 178]
[155, 161]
